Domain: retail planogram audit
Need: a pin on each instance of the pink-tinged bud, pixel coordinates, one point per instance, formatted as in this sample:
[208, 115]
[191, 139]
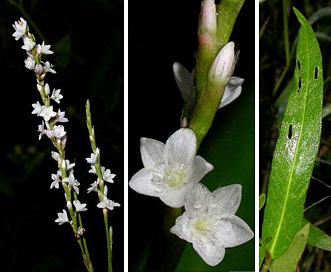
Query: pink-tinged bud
[223, 65]
[38, 69]
[64, 141]
[207, 19]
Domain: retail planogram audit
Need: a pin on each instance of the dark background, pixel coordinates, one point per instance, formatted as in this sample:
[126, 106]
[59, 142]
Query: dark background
[88, 43]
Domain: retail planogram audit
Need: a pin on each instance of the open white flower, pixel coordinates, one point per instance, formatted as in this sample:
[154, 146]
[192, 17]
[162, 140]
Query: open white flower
[170, 170]
[80, 207]
[184, 80]
[210, 223]
[62, 217]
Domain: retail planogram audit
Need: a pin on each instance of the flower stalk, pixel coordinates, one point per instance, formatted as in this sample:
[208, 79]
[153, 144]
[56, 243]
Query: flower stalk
[99, 185]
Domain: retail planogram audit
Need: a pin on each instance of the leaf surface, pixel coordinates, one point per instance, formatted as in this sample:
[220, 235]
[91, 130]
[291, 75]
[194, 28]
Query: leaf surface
[296, 147]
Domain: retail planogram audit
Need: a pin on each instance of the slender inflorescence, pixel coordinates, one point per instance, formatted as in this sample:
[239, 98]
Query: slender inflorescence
[52, 126]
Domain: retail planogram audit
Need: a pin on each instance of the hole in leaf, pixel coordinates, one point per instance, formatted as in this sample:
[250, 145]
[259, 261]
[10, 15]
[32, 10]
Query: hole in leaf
[316, 72]
[299, 66]
[299, 84]
[290, 133]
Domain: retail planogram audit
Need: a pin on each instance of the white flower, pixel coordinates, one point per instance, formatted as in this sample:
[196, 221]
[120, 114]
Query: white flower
[48, 67]
[28, 44]
[107, 175]
[37, 108]
[47, 112]
[20, 29]
[55, 156]
[62, 218]
[171, 169]
[92, 170]
[44, 49]
[56, 179]
[58, 132]
[184, 80]
[56, 96]
[93, 158]
[80, 207]
[210, 223]
[69, 165]
[107, 203]
[29, 63]
[94, 187]
[60, 117]
[41, 129]
[72, 182]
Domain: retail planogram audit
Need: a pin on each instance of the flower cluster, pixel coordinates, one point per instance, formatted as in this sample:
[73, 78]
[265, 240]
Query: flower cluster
[98, 186]
[51, 126]
[51, 123]
[173, 172]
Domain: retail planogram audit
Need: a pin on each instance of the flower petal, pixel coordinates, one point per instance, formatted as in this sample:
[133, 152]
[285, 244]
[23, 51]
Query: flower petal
[232, 91]
[196, 200]
[176, 198]
[183, 79]
[211, 253]
[142, 183]
[225, 200]
[181, 228]
[180, 147]
[199, 168]
[151, 151]
[233, 231]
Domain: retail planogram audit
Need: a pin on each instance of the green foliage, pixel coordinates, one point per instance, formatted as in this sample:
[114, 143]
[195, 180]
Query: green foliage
[272, 107]
[288, 261]
[296, 147]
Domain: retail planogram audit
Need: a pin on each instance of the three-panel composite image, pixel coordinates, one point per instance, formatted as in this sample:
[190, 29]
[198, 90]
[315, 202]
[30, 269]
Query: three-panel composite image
[175, 136]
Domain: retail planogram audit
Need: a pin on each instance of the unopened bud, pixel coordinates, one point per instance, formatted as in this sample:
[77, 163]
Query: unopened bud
[223, 65]
[207, 19]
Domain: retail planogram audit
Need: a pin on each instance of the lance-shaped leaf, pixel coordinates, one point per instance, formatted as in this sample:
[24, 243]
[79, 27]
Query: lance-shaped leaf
[288, 262]
[296, 147]
[317, 237]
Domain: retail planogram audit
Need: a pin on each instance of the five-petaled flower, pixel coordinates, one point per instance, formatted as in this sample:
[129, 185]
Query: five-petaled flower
[210, 223]
[62, 218]
[170, 170]
[106, 203]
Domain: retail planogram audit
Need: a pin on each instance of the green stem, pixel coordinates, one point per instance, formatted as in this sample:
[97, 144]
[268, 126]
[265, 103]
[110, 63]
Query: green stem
[202, 116]
[208, 97]
[227, 11]
[109, 237]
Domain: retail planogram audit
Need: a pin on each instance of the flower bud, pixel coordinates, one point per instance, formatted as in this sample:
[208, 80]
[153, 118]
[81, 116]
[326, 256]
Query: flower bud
[207, 25]
[223, 65]
[207, 19]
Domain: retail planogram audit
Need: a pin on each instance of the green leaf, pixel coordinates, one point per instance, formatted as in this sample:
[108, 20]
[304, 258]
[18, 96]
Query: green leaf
[288, 262]
[317, 237]
[296, 147]
[261, 201]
